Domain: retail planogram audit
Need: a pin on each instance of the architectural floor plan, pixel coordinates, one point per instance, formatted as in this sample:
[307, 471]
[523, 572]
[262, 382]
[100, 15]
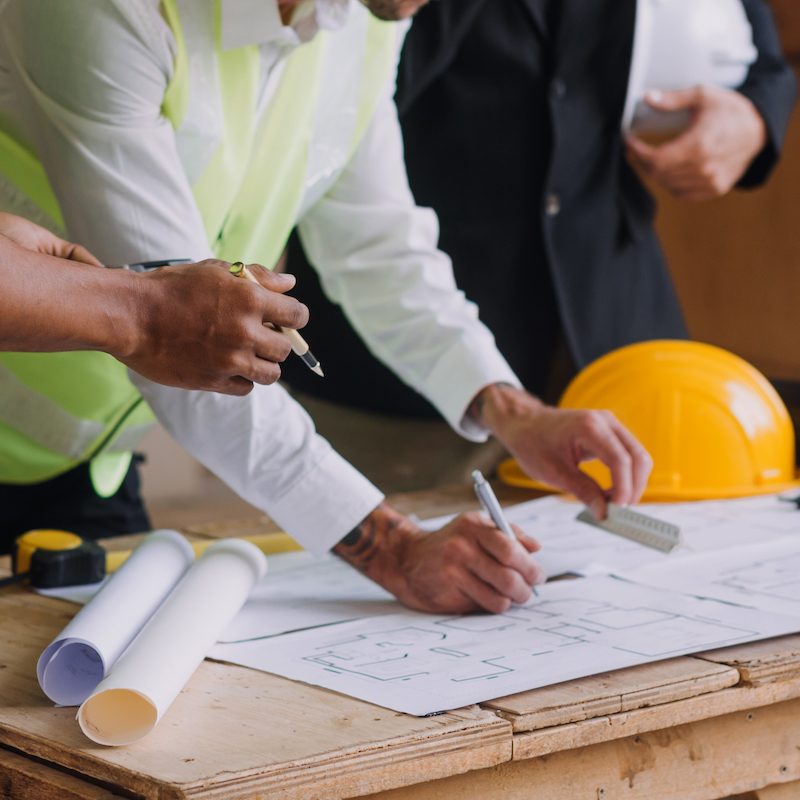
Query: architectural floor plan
[422, 664]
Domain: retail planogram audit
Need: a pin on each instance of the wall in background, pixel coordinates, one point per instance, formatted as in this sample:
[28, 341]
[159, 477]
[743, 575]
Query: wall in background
[736, 261]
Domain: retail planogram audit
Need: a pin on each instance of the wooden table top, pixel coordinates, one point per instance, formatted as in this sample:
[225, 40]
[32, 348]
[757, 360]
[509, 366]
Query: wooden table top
[238, 733]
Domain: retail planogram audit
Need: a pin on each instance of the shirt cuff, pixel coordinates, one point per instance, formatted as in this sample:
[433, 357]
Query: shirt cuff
[326, 504]
[458, 377]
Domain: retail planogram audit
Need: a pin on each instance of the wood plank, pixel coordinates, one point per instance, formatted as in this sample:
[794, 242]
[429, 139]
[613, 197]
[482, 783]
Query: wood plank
[787, 15]
[761, 662]
[245, 526]
[735, 260]
[236, 733]
[744, 699]
[780, 791]
[613, 692]
[25, 779]
[705, 760]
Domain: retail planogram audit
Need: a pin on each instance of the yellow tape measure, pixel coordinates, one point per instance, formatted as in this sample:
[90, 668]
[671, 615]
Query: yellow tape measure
[52, 558]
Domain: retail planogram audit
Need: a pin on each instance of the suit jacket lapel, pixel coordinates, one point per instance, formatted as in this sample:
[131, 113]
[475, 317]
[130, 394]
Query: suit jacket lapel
[537, 11]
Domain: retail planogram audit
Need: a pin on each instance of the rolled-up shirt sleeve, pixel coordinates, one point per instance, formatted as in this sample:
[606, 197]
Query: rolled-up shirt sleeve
[377, 256]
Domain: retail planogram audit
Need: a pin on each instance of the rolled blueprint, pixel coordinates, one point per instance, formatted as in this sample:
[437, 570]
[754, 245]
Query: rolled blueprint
[143, 683]
[83, 653]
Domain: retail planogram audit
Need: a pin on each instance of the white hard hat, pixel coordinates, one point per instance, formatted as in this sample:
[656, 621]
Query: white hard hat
[683, 43]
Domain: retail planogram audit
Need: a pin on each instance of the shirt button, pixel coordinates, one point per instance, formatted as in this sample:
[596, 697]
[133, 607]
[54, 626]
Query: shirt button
[558, 89]
[552, 206]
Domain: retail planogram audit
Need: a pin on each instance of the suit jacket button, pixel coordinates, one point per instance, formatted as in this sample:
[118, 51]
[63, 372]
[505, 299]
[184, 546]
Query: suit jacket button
[558, 89]
[552, 205]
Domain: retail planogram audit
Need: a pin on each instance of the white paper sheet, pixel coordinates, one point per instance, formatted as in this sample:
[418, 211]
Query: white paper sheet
[300, 591]
[145, 680]
[421, 664]
[305, 593]
[765, 575]
[80, 656]
[571, 546]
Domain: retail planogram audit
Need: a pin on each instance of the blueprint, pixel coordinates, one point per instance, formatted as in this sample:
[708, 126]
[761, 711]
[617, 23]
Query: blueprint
[304, 591]
[422, 664]
[571, 546]
[765, 575]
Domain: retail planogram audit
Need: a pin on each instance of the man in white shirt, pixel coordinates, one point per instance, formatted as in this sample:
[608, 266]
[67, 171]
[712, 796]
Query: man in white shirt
[86, 82]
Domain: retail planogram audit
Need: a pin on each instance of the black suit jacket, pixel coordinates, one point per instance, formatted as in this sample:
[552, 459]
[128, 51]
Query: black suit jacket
[511, 116]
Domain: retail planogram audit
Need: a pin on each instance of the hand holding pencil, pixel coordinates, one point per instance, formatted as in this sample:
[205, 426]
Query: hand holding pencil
[299, 345]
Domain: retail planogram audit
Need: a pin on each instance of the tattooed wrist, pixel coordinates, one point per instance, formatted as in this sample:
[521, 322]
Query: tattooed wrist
[377, 537]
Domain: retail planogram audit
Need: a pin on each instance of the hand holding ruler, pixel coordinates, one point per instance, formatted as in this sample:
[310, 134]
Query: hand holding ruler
[636, 526]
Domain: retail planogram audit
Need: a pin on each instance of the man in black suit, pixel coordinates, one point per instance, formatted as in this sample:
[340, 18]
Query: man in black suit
[511, 113]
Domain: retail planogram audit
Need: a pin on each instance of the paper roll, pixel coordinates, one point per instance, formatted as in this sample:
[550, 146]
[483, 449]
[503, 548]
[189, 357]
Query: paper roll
[82, 654]
[147, 678]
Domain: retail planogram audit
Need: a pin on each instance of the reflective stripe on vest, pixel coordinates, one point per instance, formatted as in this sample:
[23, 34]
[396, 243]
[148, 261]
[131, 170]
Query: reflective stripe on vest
[248, 198]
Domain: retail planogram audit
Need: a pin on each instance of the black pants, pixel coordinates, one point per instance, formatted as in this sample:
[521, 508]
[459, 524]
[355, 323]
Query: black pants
[69, 502]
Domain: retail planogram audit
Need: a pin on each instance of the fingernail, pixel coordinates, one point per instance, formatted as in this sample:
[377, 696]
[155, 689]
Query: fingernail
[654, 95]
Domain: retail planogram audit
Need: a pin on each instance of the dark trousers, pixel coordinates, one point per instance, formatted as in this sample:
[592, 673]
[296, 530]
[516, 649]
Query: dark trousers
[69, 502]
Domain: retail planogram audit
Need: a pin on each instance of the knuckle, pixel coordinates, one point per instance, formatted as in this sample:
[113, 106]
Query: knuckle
[239, 329]
[299, 315]
[525, 593]
[472, 519]
[593, 422]
[498, 605]
[506, 584]
[624, 461]
[454, 549]
[264, 372]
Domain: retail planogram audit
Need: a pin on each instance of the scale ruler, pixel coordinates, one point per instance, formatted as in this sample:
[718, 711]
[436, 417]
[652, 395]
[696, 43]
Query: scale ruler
[637, 527]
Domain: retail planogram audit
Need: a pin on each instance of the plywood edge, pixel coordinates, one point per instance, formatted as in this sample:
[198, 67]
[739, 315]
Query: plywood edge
[534, 744]
[90, 764]
[477, 740]
[23, 778]
[613, 692]
[485, 742]
[779, 791]
[761, 662]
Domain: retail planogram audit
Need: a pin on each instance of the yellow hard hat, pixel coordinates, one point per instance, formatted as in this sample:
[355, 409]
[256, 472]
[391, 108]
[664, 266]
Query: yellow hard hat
[713, 424]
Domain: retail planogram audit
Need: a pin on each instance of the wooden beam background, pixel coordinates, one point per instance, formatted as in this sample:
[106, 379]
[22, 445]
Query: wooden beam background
[736, 261]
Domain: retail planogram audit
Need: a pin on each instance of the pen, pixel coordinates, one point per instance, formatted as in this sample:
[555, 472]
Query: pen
[299, 345]
[491, 506]
[149, 266]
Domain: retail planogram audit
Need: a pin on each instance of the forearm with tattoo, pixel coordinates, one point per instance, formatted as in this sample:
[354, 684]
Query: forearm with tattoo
[375, 547]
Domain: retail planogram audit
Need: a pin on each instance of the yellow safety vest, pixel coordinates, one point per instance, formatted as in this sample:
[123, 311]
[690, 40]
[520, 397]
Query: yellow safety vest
[58, 410]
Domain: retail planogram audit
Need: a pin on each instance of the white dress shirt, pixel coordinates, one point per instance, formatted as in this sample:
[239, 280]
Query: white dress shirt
[84, 80]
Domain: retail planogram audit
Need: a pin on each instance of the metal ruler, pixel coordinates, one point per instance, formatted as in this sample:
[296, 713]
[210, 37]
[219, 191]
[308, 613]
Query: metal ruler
[636, 526]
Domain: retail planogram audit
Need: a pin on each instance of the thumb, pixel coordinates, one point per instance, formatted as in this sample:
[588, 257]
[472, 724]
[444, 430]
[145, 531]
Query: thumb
[269, 279]
[676, 100]
[80, 253]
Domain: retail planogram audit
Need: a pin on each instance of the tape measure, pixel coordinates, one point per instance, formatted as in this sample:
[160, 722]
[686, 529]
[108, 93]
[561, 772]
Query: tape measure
[637, 527]
[51, 558]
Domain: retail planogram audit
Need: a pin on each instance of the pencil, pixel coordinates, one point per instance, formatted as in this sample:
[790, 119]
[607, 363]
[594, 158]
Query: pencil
[299, 344]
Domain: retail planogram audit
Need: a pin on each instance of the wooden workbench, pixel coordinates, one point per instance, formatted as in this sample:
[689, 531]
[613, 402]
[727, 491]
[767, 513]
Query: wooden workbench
[697, 728]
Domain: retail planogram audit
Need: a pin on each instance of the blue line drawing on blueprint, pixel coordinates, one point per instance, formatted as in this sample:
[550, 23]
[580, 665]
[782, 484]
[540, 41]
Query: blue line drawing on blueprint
[447, 645]
[773, 577]
[421, 664]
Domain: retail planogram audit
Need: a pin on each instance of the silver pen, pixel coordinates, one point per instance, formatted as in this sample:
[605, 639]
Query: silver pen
[491, 506]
